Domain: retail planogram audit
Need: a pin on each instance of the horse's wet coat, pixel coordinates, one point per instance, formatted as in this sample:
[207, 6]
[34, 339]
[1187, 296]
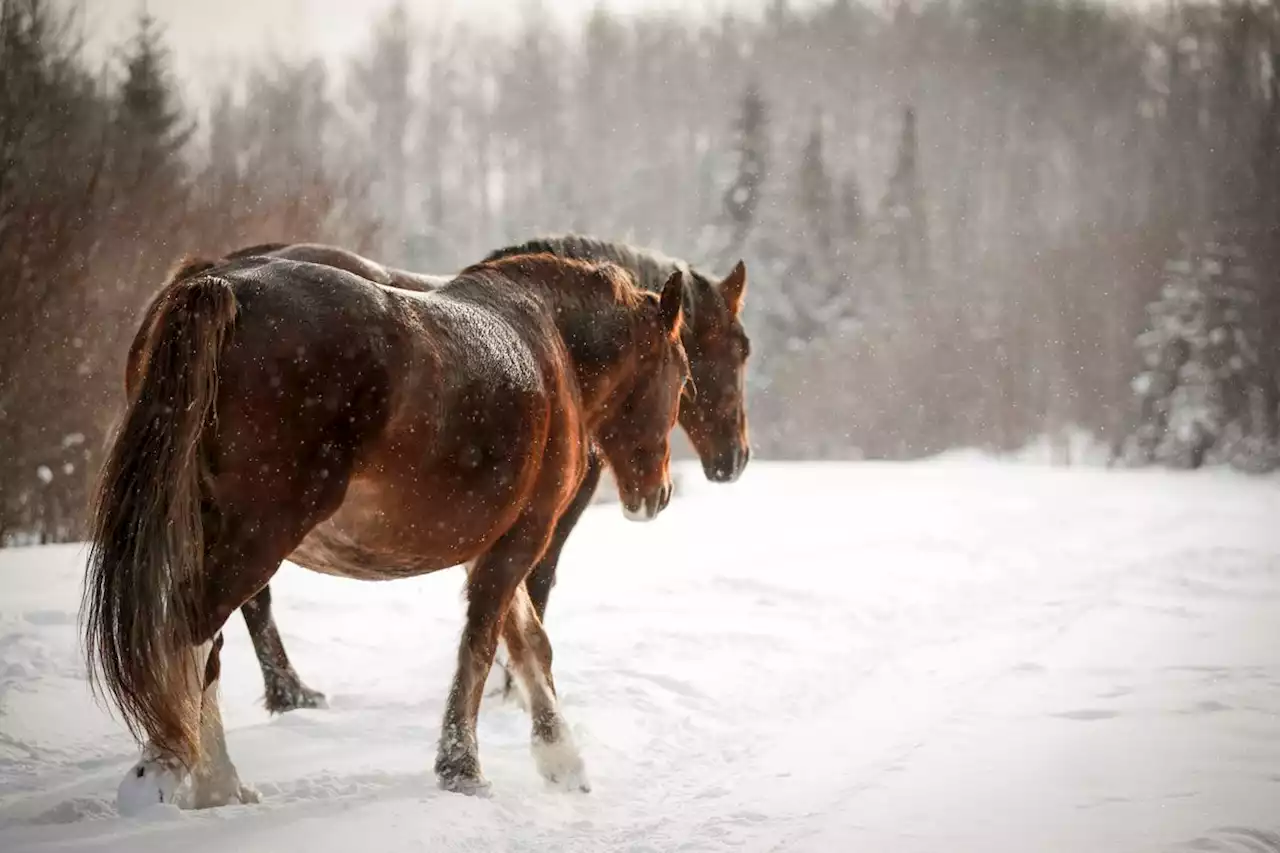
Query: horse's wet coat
[282, 409]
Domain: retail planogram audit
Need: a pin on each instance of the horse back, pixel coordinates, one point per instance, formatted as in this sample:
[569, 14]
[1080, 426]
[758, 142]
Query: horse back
[309, 373]
[348, 261]
[401, 420]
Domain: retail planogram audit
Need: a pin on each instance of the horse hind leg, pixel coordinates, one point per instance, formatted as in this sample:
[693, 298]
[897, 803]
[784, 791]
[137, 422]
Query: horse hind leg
[554, 751]
[283, 688]
[158, 775]
[159, 778]
[236, 568]
[214, 780]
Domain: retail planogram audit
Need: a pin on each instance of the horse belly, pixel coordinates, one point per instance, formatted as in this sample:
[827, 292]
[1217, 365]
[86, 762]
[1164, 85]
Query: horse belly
[412, 522]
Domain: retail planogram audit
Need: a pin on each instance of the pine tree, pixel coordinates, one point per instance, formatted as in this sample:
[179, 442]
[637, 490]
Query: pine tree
[378, 93]
[223, 140]
[903, 224]
[851, 213]
[816, 204]
[150, 129]
[742, 199]
[1199, 390]
[813, 271]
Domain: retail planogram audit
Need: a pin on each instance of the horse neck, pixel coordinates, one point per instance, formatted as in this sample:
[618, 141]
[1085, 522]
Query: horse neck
[601, 342]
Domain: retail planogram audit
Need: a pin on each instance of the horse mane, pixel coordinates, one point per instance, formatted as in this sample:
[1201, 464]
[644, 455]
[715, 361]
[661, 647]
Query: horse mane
[571, 278]
[650, 267]
[259, 249]
[598, 299]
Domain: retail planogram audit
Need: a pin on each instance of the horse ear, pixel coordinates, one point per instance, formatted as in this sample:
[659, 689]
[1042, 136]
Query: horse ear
[734, 288]
[671, 305]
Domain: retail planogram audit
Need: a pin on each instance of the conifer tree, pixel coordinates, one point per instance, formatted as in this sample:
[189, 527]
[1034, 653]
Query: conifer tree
[1200, 350]
[150, 128]
[742, 199]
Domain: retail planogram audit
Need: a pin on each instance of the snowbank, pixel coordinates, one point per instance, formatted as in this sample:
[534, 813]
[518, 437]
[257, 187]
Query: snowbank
[818, 658]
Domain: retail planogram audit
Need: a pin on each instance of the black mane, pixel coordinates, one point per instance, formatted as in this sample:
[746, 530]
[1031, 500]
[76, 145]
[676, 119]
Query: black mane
[650, 267]
[259, 249]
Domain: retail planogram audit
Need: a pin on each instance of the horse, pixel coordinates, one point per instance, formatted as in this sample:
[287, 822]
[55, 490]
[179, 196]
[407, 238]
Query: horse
[285, 410]
[715, 420]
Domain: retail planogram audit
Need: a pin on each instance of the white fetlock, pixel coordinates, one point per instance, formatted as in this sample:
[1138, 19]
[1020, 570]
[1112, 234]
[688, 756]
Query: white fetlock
[210, 793]
[150, 782]
[560, 764]
[477, 786]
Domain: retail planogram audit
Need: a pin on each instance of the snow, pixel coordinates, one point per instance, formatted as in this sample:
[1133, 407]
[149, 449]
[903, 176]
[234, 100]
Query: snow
[954, 655]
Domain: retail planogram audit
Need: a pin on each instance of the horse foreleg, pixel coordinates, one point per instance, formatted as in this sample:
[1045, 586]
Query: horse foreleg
[284, 690]
[492, 581]
[554, 751]
[543, 577]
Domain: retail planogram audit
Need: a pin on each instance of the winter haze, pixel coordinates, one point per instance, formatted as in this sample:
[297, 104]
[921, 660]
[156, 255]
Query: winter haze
[982, 223]
[1002, 571]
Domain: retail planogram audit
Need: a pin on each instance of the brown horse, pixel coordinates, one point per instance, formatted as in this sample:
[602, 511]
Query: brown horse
[715, 420]
[280, 409]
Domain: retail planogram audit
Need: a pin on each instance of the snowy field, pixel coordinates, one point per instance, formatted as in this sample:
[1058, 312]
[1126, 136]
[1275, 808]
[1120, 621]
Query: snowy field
[951, 656]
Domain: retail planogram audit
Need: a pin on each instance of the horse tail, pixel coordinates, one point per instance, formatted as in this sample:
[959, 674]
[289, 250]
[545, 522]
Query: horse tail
[147, 545]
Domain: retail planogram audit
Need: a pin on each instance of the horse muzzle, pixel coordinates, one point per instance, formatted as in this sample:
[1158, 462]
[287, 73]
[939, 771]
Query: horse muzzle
[648, 507]
[728, 467]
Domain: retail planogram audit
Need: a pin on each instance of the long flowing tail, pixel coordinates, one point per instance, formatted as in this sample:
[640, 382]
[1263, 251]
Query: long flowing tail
[147, 548]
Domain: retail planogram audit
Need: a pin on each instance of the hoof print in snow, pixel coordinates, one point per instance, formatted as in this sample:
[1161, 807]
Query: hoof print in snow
[1088, 715]
[572, 784]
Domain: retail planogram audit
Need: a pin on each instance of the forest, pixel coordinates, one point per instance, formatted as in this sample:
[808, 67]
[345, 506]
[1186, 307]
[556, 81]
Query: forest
[966, 223]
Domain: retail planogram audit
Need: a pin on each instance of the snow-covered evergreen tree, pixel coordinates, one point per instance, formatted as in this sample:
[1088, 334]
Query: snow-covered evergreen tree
[813, 288]
[742, 198]
[1201, 380]
[903, 226]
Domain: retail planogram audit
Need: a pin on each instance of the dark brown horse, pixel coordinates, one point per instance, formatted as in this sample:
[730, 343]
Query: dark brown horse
[280, 409]
[715, 420]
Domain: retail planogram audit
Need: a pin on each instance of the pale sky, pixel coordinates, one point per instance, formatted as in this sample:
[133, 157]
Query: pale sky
[206, 34]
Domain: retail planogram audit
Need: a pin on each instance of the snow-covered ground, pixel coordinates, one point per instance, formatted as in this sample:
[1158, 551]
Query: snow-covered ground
[950, 656]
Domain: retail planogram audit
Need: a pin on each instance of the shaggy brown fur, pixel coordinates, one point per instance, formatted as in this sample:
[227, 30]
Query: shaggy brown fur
[713, 414]
[147, 528]
[280, 409]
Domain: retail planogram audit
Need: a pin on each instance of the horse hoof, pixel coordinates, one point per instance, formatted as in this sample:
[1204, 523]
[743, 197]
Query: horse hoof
[282, 699]
[471, 786]
[213, 796]
[561, 765]
[148, 783]
[309, 698]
